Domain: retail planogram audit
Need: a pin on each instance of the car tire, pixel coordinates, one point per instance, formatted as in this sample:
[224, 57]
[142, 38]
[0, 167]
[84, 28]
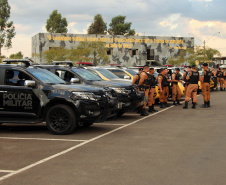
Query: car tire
[61, 119]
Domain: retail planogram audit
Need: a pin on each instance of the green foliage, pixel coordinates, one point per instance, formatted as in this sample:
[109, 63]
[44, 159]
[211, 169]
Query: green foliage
[56, 54]
[18, 55]
[118, 26]
[90, 52]
[206, 54]
[56, 24]
[190, 55]
[6, 28]
[98, 26]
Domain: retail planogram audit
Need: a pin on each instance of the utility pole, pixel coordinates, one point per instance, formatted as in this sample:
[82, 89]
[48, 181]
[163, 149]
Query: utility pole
[204, 43]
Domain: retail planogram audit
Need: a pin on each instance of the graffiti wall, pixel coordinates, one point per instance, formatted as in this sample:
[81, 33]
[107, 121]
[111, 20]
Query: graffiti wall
[125, 50]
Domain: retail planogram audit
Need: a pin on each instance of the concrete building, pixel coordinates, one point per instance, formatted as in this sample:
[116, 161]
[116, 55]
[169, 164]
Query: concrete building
[125, 50]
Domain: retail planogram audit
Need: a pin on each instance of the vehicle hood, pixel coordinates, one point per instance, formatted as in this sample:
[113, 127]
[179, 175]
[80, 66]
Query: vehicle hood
[79, 87]
[112, 83]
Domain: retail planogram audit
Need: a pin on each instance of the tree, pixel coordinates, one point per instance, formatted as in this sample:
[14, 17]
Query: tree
[58, 54]
[6, 27]
[118, 26]
[90, 52]
[206, 53]
[18, 55]
[56, 24]
[98, 26]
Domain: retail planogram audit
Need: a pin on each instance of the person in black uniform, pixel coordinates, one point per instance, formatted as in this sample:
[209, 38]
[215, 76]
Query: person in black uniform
[176, 78]
[205, 83]
[152, 93]
[193, 77]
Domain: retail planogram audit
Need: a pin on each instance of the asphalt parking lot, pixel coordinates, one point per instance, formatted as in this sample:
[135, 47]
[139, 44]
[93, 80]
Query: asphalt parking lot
[172, 146]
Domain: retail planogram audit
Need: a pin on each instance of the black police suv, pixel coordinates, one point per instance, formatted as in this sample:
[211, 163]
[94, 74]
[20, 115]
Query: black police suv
[128, 96]
[29, 94]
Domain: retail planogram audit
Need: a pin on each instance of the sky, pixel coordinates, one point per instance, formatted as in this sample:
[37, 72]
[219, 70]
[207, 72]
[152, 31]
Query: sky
[201, 19]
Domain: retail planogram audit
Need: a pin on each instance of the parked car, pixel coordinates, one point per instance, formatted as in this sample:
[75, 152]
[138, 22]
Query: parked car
[128, 96]
[29, 94]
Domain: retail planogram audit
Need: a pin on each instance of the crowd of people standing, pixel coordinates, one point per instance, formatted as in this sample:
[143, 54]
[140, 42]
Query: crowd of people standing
[192, 79]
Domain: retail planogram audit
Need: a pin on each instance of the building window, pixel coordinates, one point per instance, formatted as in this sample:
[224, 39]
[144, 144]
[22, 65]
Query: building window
[133, 52]
[150, 54]
[110, 51]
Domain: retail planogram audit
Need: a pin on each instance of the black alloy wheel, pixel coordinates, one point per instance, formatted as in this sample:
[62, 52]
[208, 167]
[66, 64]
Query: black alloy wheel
[61, 119]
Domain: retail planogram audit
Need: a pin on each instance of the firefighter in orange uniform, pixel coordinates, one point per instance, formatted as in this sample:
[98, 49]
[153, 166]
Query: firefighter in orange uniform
[193, 77]
[176, 78]
[205, 82]
[145, 87]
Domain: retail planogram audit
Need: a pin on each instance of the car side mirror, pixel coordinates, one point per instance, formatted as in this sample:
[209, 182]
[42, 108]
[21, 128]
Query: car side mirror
[29, 83]
[127, 77]
[75, 80]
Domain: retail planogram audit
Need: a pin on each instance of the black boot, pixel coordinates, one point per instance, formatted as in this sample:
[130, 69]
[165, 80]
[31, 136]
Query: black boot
[153, 108]
[178, 102]
[204, 105]
[162, 105]
[185, 105]
[208, 104]
[221, 89]
[143, 112]
[138, 110]
[166, 104]
[150, 109]
[193, 106]
[174, 103]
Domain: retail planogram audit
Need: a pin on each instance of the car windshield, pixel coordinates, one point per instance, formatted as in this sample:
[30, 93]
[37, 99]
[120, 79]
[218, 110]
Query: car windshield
[132, 72]
[118, 72]
[46, 76]
[85, 74]
[107, 73]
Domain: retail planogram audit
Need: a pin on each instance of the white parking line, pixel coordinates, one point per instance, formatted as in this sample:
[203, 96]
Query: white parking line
[42, 139]
[6, 171]
[77, 146]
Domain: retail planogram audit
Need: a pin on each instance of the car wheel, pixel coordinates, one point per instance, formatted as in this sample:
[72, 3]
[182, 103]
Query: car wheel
[61, 119]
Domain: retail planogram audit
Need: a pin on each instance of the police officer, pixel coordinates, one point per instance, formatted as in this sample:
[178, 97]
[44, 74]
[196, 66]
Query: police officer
[162, 81]
[186, 79]
[193, 77]
[218, 74]
[168, 78]
[152, 93]
[205, 83]
[176, 77]
[136, 77]
[224, 75]
[146, 88]
[222, 79]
